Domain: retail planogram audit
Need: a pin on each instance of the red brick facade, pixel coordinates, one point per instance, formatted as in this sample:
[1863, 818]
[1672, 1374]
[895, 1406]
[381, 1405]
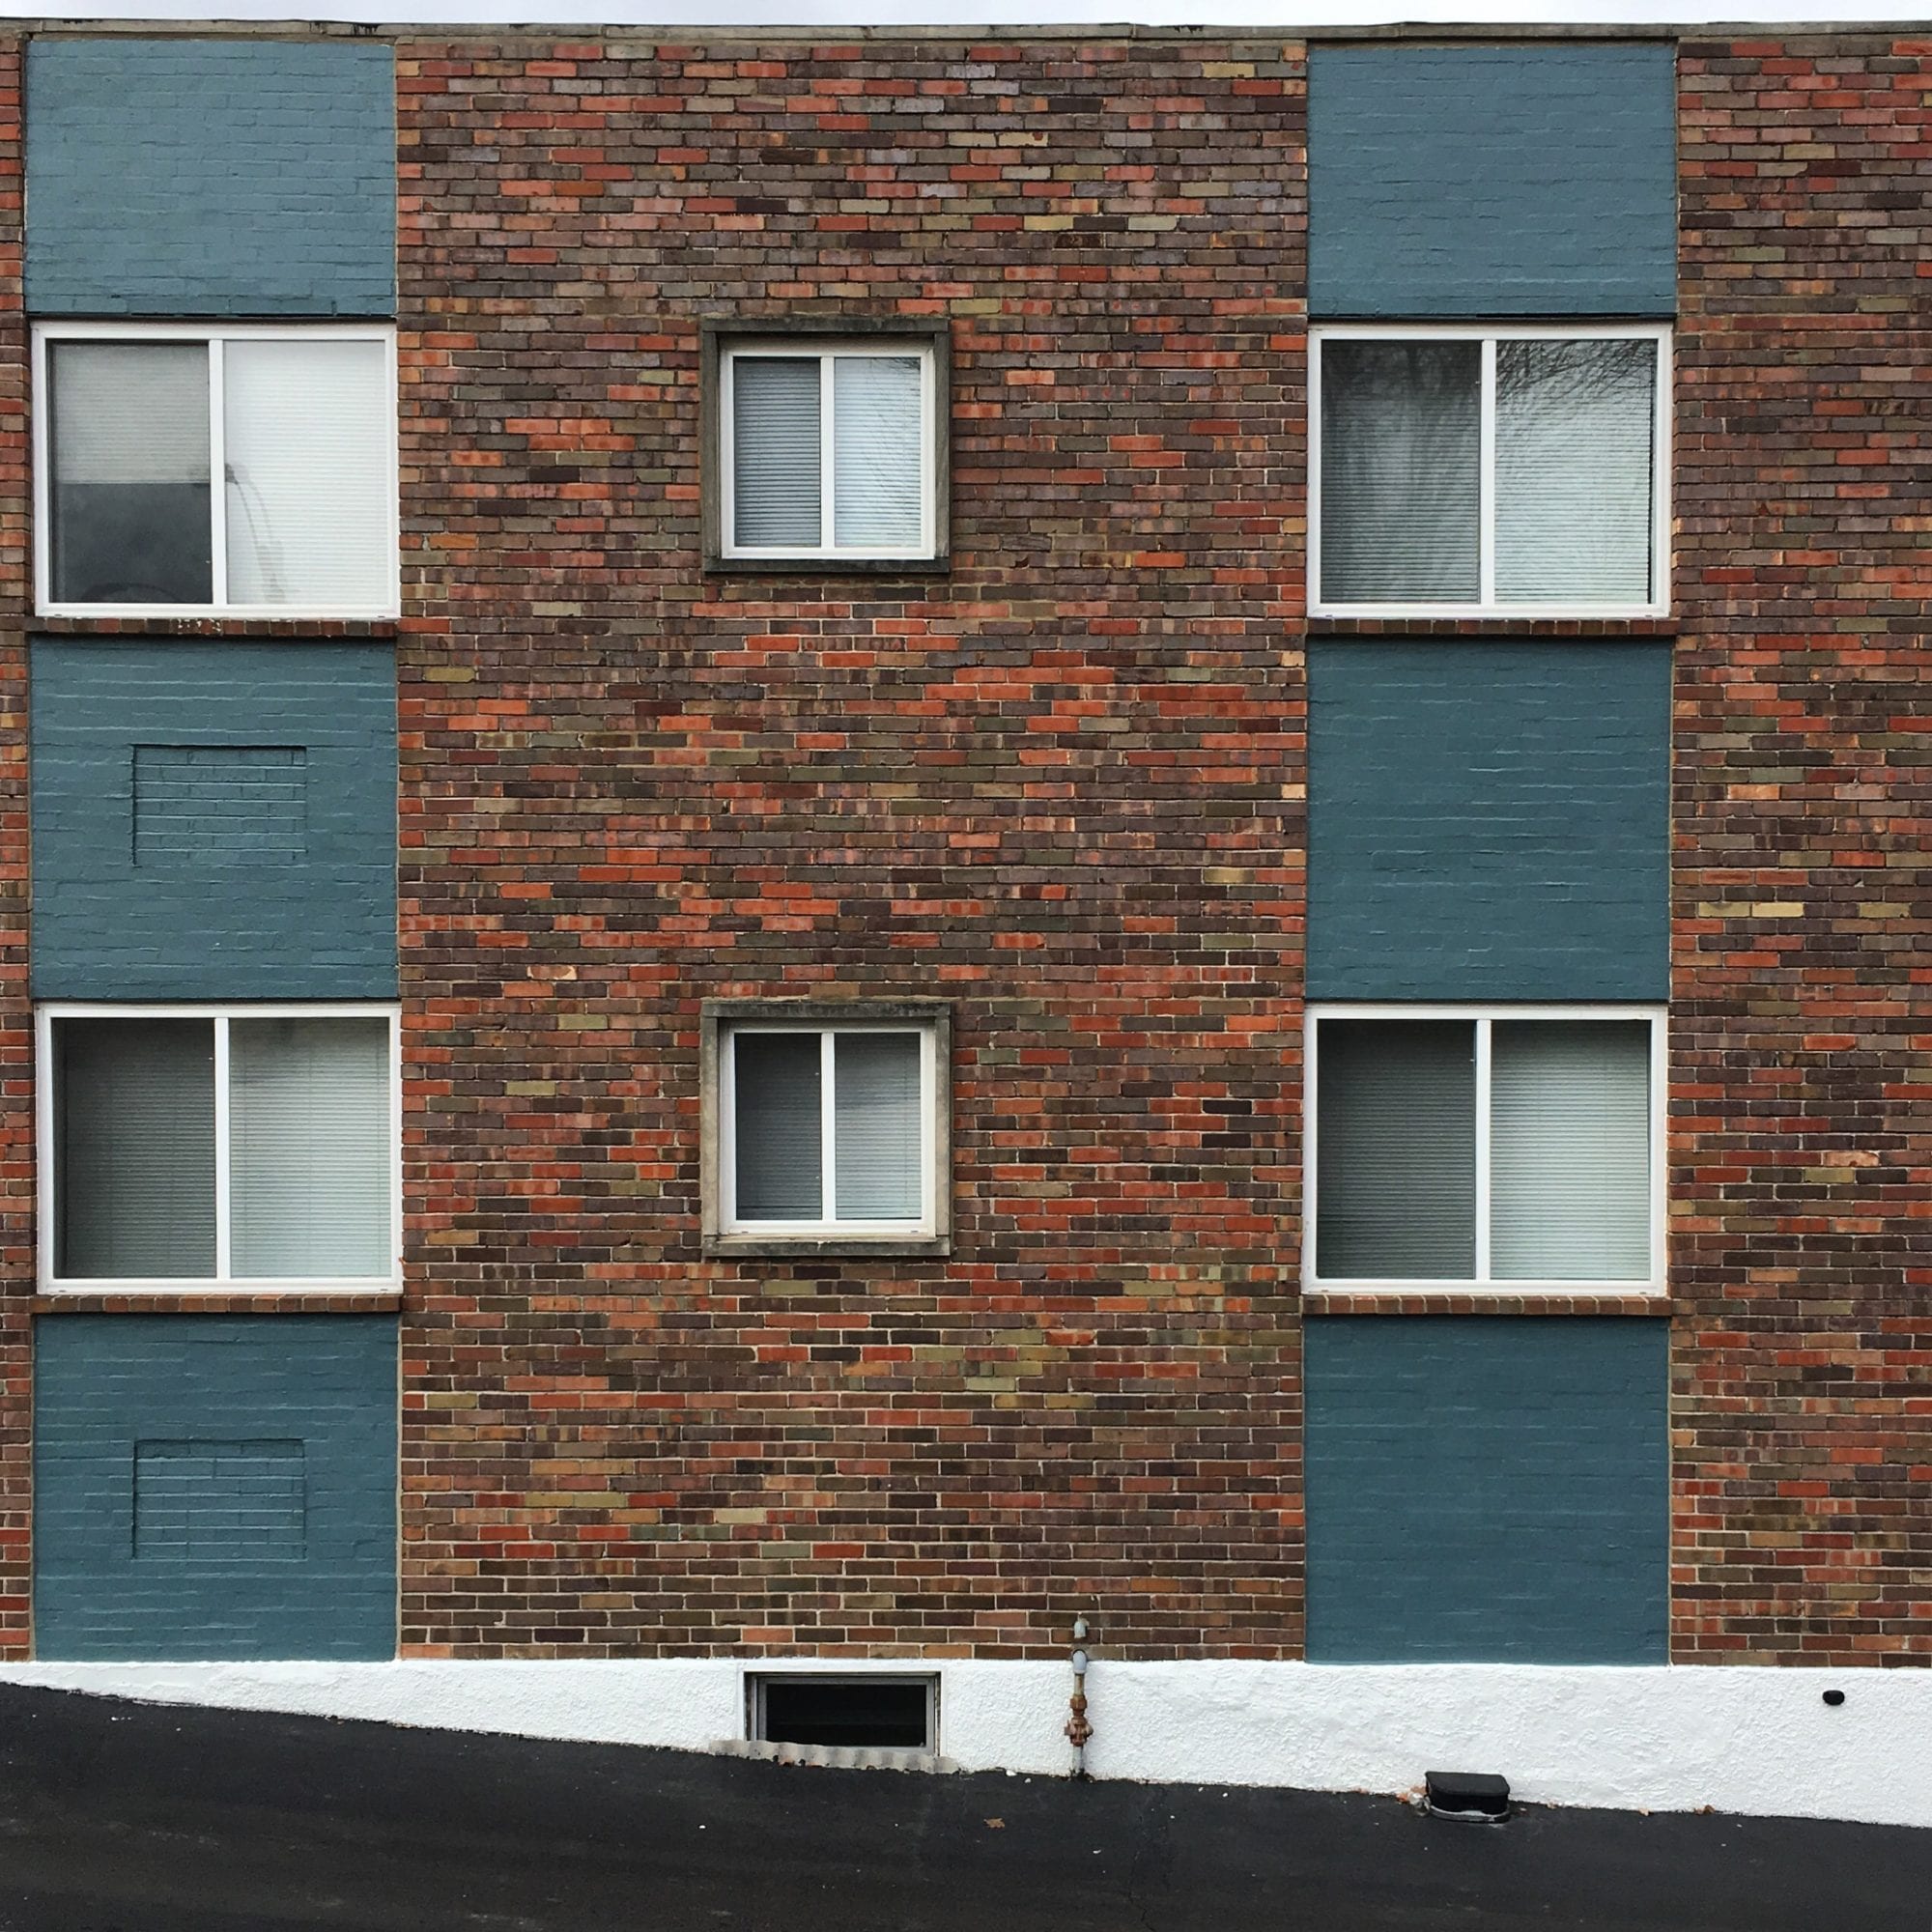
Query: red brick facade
[1803, 1178]
[1060, 785]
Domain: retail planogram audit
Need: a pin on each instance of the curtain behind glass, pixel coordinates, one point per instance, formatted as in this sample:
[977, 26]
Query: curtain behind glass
[875, 451]
[778, 1126]
[1395, 1140]
[308, 1131]
[1570, 1150]
[876, 1122]
[775, 450]
[306, 433]
[1401, 462]
[134, 1148]
[129, 444]
[1574, 424]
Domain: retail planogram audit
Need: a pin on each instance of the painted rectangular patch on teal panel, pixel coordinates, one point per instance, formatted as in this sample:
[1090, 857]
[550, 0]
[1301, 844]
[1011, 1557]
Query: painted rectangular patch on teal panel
[1489, 821]
[214, 1486]
[214, 821]
[1533, 180]
[1486, 1488]
[202, 177]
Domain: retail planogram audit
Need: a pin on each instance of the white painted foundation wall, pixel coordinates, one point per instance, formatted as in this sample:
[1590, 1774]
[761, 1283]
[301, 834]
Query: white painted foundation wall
[1746, 1740]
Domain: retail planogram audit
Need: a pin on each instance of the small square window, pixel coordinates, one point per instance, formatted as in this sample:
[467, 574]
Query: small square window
[188, 1148]
[829, 450]
[1505, 472]
[826, 1127]
[136, 424]
[1516, 1150]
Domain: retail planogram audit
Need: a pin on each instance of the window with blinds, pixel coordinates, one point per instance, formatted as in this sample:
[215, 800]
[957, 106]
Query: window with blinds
[142, 423]
[828, 1128]
[1475, 1151]
[828, 450]
[254, 1146]
[1511, 470]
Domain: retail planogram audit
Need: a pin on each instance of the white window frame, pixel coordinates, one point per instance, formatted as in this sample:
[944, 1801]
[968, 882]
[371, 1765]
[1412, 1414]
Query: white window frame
[824, 349]
[214, 336]
[223, 1280]
[732, 1225]
[1484, 605]
[1482, 1282]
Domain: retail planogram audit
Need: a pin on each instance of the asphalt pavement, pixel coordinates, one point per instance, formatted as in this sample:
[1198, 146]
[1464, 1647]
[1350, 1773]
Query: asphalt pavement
[120, 1817]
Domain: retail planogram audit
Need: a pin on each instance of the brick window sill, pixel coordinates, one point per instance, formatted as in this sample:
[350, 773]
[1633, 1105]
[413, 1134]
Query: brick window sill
[375, 629]
[1596, 628]
[346, 1301]
[1441, 1301]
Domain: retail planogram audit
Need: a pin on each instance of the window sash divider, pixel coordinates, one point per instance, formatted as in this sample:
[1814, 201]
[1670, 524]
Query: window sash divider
[1483, 1152]
[217, 486]
[828, 1126]
[1486, 478]
[828, 473]
[224, 1257]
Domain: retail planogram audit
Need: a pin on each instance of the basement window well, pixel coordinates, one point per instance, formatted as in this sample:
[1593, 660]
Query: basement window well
[886, 1712]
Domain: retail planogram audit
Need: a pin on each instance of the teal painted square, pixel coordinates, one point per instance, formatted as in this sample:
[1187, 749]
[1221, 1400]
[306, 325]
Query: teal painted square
[212, 821]
[1489, 821]
[214, 1486]
[1488, 1489]
[211, 178]
[1529, 179]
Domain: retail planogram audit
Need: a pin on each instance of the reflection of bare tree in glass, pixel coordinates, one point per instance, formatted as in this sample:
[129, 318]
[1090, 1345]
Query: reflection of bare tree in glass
[267, 552]
[1574, 423]
[1401, 458]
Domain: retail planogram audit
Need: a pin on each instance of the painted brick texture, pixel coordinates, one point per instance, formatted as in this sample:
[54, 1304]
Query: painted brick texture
[1802, 1134]
[1489, 821]
[161, 872]
[1059, 787]
[1486, 1488]
[216, 1486]
[188, 178]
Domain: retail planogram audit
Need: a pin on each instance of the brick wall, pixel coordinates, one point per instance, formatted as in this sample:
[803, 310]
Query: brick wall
[1059, 787]
[1800, 1081]
[17, 1117]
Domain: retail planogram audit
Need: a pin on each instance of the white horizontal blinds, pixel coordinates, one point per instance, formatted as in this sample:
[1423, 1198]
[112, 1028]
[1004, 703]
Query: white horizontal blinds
[1575, 423]
[306, 430]
[309, 1149]
[1570, 1150]
[775, 451]
[134, 1148]
[1400, 468]
[130, 443]
[876, 435]
[876, 1126]
[1396, 1149]
[777, 1127]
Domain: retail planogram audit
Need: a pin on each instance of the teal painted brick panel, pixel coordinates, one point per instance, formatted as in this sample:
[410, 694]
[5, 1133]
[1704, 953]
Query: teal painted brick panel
[212, 821]
[199, 178]
[1450, 182]
[214, 1486]
[1486, 1488]
[1489, 821]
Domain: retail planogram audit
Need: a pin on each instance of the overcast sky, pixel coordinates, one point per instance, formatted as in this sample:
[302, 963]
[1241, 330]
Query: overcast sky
[1291, 15]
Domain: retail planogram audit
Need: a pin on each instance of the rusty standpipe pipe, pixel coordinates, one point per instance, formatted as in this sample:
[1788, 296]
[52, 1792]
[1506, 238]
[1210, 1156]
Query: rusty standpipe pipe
[1078, 1729]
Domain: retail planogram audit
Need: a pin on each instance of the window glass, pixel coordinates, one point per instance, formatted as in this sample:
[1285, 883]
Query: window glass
[775, 461]
[778, 1126]
[129, 490]
[876, 451]
[875, 1091]
[134, 1148]
[1575, 426]
[308, 475]
[1401, 459]
[1570, 1150]
[309, 1147]
[1396, 1149]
